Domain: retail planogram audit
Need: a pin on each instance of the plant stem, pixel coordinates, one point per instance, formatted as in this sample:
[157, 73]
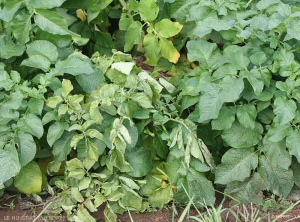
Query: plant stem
[123, 3]
[41, 213]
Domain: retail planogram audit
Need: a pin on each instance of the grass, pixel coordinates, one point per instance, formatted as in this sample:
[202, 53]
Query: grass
[245, 213]
[240, 212]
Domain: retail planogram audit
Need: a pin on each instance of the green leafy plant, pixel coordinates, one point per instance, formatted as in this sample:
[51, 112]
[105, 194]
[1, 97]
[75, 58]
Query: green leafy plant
[118, 156]
[155, 42]
[245, 90]
[271, 204]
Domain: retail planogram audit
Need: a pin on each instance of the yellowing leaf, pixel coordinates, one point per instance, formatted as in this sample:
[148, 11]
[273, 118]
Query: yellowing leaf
[123, 67]
[81, 14]
[53, 101]
[168, 50]
[67, 87]
[29, 180]
[166, 28]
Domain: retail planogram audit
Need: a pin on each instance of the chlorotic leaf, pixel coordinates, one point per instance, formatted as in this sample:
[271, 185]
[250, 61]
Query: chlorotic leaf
[81, 14]
[53, 101]
[67, 87]
[125, 21]
[29, 179]
[123, 67]
[76, 194]
[168, 50]
[91, 156]
[166, 28]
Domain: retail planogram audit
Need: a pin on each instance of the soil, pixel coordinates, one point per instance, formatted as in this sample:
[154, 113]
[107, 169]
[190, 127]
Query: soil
[7, 214]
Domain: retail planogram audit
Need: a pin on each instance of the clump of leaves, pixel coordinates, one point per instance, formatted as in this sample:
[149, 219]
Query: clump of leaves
[244, 91]
[122, 133]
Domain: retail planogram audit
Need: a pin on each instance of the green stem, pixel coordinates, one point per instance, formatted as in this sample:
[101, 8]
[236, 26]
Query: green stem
[123, 3]
[183, 124]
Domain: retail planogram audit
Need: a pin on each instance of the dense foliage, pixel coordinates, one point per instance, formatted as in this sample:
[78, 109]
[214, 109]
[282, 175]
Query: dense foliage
[215, 102]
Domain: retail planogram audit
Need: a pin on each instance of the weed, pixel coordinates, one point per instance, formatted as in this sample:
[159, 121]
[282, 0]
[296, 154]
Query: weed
[240, 212]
